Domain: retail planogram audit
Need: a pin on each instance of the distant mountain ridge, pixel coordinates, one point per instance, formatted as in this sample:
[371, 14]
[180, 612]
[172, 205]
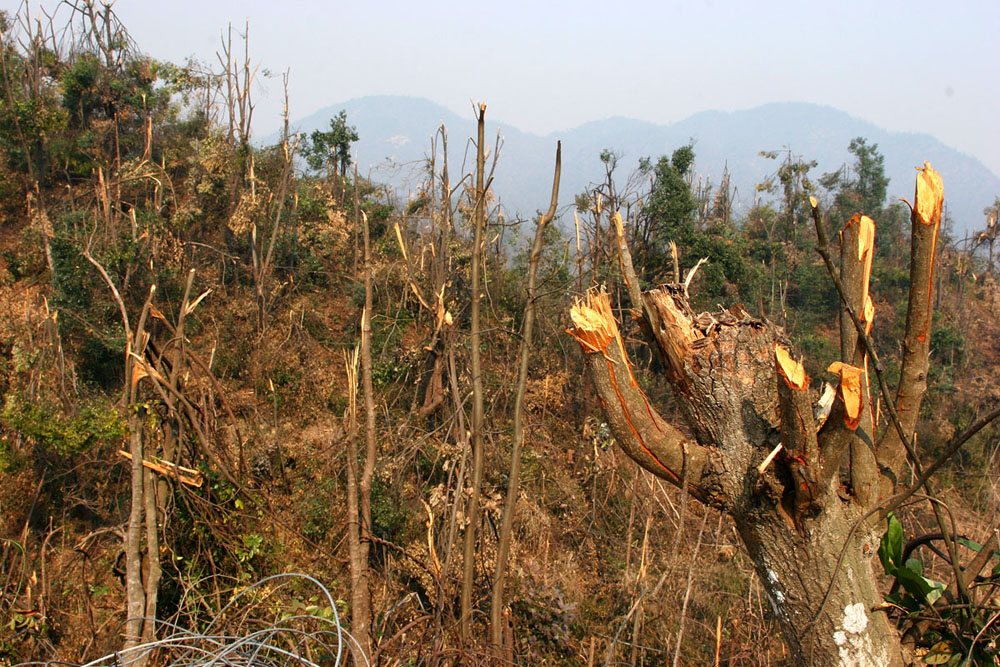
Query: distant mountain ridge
[396, 131]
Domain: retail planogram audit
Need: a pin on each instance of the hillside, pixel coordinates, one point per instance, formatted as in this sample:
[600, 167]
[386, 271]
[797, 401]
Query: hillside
[395, 137]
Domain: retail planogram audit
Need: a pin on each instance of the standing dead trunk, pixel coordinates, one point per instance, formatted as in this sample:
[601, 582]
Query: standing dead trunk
[141, 583]
[753, 448]
[136, 607]
[472, 516]
[514, 484]
[152, 570]
[359, 599]
[135, 596]
[363, 625]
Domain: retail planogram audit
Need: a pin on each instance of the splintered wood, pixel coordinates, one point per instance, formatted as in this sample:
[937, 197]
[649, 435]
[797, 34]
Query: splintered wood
[866, 250]
[172, 470]
[850, 391]
[929, 195]
[928, 204]
[655, 444]
[793, 371]
[593, 323]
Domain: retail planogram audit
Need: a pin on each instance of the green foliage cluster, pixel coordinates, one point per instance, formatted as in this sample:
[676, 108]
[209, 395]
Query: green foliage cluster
[332, 149]
[955, 637]
[95, 424]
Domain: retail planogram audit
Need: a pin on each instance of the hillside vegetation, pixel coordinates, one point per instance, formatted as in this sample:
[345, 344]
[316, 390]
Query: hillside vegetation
[221, 361]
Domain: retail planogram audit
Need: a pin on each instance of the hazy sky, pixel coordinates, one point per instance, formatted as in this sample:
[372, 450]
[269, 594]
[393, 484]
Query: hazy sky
[931, 67]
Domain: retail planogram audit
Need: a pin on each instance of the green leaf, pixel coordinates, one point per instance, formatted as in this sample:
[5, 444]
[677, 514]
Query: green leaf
[890, 550]
[914, 564]
[936, 590]
[915, 584]
[975, 546]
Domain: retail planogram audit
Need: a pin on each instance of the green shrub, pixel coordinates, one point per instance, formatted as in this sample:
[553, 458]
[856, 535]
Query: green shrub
[96, 423]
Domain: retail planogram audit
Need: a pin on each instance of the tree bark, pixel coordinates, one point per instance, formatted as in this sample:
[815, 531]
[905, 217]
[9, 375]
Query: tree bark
[796, 569]
[363, 631]
[926, 222]
[736, 403]
[472, 516]
[358, 564]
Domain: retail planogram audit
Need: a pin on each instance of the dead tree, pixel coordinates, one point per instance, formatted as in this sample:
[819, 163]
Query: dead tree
[360, 575]
[988, 236]
[754, 447]
[472, 516]
[239, 78]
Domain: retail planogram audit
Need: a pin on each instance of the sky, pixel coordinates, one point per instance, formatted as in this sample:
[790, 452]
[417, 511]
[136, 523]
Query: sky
[543, 66]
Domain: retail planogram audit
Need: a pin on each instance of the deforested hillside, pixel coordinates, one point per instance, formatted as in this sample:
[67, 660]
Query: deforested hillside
[256, 408]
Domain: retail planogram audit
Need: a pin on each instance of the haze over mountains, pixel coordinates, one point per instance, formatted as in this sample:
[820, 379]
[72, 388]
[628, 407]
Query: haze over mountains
[396, 131]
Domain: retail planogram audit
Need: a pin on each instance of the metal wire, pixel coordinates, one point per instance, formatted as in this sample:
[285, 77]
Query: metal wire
[228, 640]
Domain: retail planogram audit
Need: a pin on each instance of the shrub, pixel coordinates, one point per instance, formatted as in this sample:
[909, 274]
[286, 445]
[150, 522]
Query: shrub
[96, 423]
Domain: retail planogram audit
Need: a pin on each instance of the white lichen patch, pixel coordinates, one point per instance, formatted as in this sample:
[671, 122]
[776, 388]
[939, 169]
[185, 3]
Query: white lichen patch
[854, 645]
[855, 619]
[774, 594]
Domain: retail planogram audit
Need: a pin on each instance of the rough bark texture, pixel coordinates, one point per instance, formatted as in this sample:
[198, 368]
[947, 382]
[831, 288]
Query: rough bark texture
[797, 568]
[469, 544]
[363, 612]
[754, 447]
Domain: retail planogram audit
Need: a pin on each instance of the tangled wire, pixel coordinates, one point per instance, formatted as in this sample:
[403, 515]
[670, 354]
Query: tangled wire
[231, 639]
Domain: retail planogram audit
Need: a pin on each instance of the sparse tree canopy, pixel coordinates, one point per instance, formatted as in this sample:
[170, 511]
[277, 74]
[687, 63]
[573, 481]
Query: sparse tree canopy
[332, 149]
[863, 188]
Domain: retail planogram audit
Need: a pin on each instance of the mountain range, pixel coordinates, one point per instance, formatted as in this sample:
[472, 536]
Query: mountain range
[395, 137]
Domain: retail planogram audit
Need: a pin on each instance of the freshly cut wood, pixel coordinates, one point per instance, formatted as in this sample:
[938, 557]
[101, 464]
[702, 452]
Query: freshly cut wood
[167, 469]
[929, 195]
[793, 371]
[850, 391]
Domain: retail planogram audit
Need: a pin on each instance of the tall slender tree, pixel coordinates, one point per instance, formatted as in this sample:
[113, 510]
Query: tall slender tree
[472, 515]
[514, 479]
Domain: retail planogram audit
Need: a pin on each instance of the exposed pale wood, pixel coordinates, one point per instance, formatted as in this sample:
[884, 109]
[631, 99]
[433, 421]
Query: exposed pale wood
[171, 470]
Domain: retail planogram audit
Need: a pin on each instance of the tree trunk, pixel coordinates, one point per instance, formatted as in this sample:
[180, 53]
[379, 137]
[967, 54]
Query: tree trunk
[472, 516]
[725, 376]
[363, 627]
[797, 569]
[135, 605]
[152, 570]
